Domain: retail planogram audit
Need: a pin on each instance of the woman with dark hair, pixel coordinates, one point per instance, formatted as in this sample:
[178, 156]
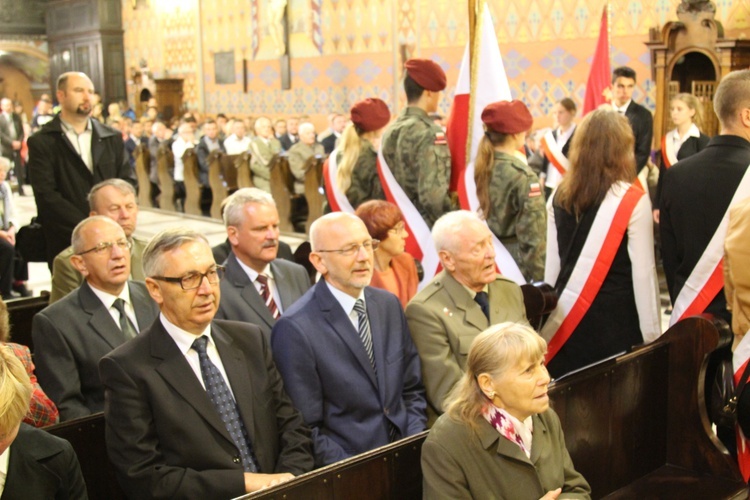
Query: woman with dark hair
[395, 270]
[600, 250]
[509, 193]
[556, 144]
[497, 418]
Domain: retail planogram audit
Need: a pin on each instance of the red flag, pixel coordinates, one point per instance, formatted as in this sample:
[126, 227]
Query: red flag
[600, 74]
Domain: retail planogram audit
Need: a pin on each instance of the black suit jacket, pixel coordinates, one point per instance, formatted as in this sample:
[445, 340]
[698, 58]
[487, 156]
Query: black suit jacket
[6, 140]
[691, 146]
[329, 143]
[41, 467]
[240, 300]
[287, 142]
[696, 193]
[61, 180]
[642, 124]
[164, 436]
[71, 336]
[202, 151]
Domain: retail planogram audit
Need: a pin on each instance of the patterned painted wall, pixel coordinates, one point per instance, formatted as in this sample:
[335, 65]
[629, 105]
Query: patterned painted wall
[343, 50]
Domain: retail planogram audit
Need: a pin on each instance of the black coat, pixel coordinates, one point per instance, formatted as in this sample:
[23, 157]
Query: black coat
[202, 151]
[695, 196]
[61, 180]
[642, 124]
[691, 146]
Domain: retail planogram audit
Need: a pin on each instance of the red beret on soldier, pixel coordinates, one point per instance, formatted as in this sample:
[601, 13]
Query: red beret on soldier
[370, 114]
[507, 117]
[428, 74]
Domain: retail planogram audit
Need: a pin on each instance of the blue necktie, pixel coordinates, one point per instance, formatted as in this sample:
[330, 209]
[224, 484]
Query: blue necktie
[483, 300]
[364, 331]
[222, 399]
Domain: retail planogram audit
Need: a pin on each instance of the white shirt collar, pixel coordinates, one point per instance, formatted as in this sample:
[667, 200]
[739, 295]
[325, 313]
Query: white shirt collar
[182, 338]
[562, 137]
[4, 461]
[70, 129]
[344, 299]
[108, 299]
[252, 273]
[623, 108]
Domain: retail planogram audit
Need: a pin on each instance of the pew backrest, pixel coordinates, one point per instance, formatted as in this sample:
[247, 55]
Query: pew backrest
[142, 168]
[21, 314]
[165, 169]
[192, 182]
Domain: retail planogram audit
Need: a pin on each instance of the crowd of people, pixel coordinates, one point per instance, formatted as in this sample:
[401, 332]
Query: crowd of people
[224, 370]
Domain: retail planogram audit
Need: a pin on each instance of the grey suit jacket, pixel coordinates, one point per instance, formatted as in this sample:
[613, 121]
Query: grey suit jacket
[71, 336]
[240, 300]
[443, 321]
[164, 436]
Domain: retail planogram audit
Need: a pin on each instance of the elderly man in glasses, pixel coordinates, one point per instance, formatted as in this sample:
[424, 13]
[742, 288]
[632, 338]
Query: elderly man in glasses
[344, 349]
[195, 407]
[107, 310]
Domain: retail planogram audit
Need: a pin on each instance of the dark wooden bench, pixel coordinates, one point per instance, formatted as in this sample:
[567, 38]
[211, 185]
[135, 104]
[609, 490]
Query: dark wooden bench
[192, 182]
[242, 164]
[86, 435]
[142, 168]
[164, 170]
[313, 191]
[222, 177]
[635, 426]
[21, 313]
[282, 190]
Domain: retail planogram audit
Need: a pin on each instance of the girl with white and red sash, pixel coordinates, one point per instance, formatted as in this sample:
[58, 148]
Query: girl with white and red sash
[684, 140]
[351, 173]
[556, 144]
[600, 252]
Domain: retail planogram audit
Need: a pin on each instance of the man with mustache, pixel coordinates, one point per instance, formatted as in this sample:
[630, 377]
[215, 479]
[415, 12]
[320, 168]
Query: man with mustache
[344, 349]
[107, 310]
[67, 156]
[258, 286]
[195, 406]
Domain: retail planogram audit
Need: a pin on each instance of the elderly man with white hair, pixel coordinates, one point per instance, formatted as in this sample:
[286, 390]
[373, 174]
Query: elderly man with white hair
[264, 149]
[463, 300]
[301, 156]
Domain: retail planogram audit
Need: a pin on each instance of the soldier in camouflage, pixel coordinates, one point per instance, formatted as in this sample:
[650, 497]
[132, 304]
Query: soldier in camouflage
[415, 148]
[509, 192]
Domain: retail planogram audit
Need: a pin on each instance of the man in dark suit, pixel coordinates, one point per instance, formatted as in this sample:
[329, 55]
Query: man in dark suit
[344, 349]
[195, 407]
[11, 139]
[40, 465]
[696, 194]
[67, 157]
[290, 136]
[337, 127]
[208, 143]
[71, 335]
[641, 121]
[258, 286]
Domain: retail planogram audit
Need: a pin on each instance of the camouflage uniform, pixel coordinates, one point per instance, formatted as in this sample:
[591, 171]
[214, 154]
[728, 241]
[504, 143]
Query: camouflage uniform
[299, 154]
[365, 184]
[417, 154]
[519, 217]
[263, 152]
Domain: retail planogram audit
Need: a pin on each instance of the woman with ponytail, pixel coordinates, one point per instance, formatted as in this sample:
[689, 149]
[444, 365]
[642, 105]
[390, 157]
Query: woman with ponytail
[510, 197]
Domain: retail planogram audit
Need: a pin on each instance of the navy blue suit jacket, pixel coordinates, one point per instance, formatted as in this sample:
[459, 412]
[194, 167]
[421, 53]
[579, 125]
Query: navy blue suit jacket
[328, 374]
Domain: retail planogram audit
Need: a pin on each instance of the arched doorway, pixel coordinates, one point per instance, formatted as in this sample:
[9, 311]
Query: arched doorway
[690, 67]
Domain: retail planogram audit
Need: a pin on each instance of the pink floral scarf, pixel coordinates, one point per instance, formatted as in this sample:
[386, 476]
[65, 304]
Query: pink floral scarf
[500, 420]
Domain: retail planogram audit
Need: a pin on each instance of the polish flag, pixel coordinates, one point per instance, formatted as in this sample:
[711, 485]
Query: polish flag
[597, 85]
[481, 81]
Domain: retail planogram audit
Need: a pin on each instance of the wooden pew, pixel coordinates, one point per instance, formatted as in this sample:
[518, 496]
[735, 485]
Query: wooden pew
[314, 191]
[282, 190]
[164, 168]
[142, 167]
[242, 164]
[222, 177]
[192, 183]
[635, 425]
[86, 435]
[21, 313]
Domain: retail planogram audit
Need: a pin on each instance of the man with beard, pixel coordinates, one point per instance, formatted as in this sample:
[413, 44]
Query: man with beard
[67, 157]
[258, 286]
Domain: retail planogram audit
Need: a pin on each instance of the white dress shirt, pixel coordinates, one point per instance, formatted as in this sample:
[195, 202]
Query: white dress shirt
[253, 275]
[236, 146]
[4, 460]
[109, 300]
[347, 303]
[81, 142]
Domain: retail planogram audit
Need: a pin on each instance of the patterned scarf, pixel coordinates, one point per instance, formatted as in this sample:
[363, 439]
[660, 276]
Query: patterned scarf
[500, 420]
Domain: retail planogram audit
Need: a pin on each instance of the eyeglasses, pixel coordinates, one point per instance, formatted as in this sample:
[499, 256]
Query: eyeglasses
[193, 280]
[348, 251]
[397, 229]
[105, 246]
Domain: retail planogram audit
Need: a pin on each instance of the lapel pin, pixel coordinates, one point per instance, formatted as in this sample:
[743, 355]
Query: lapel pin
[447, 311]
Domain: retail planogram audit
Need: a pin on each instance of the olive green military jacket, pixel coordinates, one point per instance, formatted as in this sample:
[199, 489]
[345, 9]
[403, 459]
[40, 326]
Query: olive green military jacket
[264, 152]
[365, 184]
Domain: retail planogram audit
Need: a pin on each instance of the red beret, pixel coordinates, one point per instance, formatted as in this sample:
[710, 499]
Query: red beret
[428, 74]
[507, 117]
[370, 114]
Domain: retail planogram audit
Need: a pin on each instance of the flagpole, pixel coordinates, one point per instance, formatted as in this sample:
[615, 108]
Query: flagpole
[474, 14]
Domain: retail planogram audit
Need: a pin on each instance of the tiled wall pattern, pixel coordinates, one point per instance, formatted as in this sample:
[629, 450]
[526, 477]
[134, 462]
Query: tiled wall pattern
[344, 50]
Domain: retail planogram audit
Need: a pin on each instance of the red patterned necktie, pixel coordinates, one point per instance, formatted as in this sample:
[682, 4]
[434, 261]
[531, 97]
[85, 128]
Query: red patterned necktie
[267, 296]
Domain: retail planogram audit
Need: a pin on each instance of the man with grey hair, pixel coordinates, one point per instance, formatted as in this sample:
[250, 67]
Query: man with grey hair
[195, 406]
[302, 156]
[114, 198]
[107, 310]
[67, 157]
[695, 198]
[460, 302]
[264, 149]
[344, 349]
[185, 140]
[258, 286]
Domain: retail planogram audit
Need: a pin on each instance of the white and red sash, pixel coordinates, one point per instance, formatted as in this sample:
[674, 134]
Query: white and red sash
[419, 244]
[592, 266]
[336, 199]
[740, 358]
[668, 153]
[707, 277]
[553, 152]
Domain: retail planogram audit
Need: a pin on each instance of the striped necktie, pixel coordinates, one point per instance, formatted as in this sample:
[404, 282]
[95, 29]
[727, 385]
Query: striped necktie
[267, 296]
[364, 330]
